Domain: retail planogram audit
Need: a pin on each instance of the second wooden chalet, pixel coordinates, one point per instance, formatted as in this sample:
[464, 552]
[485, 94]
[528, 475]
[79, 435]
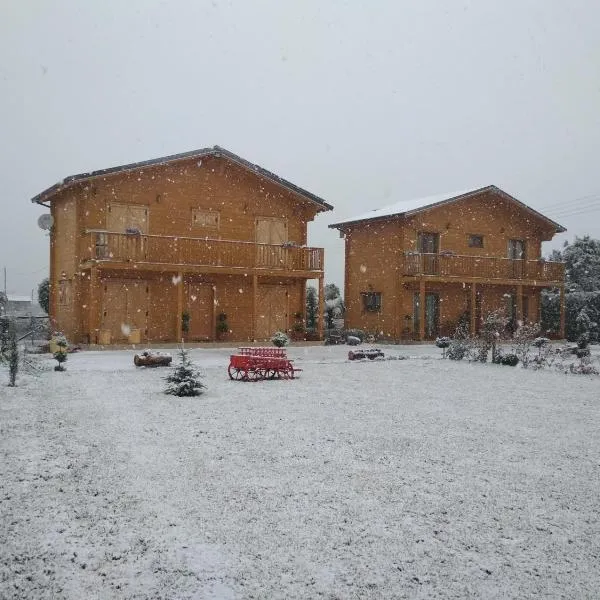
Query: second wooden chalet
[192, 245]
[415, 269]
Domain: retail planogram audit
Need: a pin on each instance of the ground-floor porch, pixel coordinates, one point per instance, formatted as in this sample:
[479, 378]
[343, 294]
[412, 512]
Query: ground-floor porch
[422, 309]
[128, 306]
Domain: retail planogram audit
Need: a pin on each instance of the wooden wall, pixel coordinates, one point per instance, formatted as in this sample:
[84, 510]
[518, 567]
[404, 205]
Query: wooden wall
[374, 253]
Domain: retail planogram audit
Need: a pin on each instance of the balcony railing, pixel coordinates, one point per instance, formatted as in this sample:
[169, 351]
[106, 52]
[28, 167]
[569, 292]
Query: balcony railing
[482, 267]
[174, 250]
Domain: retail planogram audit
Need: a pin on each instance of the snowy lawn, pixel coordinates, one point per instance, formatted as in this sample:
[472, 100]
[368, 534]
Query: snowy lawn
[418, 478]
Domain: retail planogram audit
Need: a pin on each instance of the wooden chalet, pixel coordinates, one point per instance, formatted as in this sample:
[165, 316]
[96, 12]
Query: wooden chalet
[414, 270]
[175, 247]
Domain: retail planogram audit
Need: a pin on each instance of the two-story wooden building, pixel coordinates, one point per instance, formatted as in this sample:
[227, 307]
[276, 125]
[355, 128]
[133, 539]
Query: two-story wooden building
[415, 269]
[145, 251]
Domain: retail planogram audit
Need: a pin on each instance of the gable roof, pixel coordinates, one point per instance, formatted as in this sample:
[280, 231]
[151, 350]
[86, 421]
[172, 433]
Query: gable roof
[411, 207]
[215, 151]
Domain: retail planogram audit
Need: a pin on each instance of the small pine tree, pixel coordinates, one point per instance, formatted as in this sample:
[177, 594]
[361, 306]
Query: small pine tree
[13, 356]
[61, 354]
[185, 378]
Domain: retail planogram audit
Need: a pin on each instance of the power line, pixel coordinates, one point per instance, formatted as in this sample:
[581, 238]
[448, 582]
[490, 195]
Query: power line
[580, 200]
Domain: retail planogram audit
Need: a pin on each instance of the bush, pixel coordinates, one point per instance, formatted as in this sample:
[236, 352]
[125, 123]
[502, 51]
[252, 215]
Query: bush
[458, 349]
[510, 360]
[280, 339]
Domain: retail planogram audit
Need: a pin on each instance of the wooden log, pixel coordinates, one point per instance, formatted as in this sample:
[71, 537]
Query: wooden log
[152, 359]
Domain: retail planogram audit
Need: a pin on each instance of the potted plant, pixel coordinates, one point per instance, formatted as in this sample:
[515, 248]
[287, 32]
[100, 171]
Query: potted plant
[280, 339]
[222, 326]
[185, 323]
[298, 327]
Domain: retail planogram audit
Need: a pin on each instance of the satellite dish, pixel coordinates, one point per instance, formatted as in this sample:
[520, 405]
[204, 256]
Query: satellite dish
[45, 221]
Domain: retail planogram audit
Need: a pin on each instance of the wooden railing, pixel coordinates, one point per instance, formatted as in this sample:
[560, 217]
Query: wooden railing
[483, 267]
[174, 250]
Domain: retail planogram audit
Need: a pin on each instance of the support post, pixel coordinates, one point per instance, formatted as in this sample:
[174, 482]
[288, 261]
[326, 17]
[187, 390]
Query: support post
[321, 307]
[94, 307]
[254, 307]
[562, 312]
[178, 329]
[422, 310]
[473, 315]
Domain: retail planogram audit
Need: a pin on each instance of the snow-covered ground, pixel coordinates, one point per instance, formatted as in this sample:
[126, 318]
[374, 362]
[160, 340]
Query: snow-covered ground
[418, 478]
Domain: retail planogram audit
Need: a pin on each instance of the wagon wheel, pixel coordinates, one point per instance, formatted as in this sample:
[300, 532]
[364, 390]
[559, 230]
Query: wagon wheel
[253, 374]
[271, 373]
[287, 372]
[236, 373]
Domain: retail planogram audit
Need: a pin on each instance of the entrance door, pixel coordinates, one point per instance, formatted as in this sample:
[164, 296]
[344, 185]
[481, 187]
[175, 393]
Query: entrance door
[200, 306]
[516, 254]
[271, 232]
[429, 247]
[124, 308]
[432, 315]
[272, 310]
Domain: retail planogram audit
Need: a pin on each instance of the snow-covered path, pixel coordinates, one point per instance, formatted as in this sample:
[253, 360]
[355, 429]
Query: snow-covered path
[413, 478]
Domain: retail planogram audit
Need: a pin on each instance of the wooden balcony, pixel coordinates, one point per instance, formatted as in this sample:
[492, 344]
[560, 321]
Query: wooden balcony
[459, 267]
[214, 255]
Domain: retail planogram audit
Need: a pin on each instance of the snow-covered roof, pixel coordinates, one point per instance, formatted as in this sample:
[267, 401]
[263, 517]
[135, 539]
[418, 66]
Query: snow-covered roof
[216, 151]
[408, 207]
[17, 298]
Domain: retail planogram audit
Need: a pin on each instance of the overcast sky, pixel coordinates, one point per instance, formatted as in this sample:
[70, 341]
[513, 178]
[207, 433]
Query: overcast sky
[363, 103]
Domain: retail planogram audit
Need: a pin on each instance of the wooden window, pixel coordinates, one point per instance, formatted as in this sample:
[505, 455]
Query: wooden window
[475, 241]
[206, 219]
[371, 301]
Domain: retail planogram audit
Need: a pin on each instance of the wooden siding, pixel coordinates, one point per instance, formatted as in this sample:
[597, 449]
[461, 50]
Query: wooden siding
[382, 256]
[195, 222]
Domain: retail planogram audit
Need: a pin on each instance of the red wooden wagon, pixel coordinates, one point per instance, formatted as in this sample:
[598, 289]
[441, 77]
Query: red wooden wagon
[255, 364]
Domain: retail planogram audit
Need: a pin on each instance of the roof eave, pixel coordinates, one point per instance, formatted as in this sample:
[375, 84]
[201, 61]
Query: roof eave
[214, 151]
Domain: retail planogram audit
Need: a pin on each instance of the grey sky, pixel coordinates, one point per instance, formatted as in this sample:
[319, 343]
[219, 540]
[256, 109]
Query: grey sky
[362, 103]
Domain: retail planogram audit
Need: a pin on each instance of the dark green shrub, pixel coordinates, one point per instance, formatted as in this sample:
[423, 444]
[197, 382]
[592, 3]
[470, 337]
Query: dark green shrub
[510, 360]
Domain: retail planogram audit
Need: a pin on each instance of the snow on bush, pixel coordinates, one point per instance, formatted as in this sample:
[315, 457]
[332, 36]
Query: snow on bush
[280, 339]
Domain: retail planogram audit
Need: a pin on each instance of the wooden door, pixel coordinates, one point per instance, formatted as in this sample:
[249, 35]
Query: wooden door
[516, 252]
[128, 219]
[200, 306]
[121, 217]
[271, 234]
[432, 315]
[429, 247]
[124, 308]
[272, 309]
[114, 308]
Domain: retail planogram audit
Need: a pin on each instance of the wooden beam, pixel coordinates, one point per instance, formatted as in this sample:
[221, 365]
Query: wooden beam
[254, 306]
[422, 310]
[179, 287]
[473, 315]
[321, 307]
[94, 307]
